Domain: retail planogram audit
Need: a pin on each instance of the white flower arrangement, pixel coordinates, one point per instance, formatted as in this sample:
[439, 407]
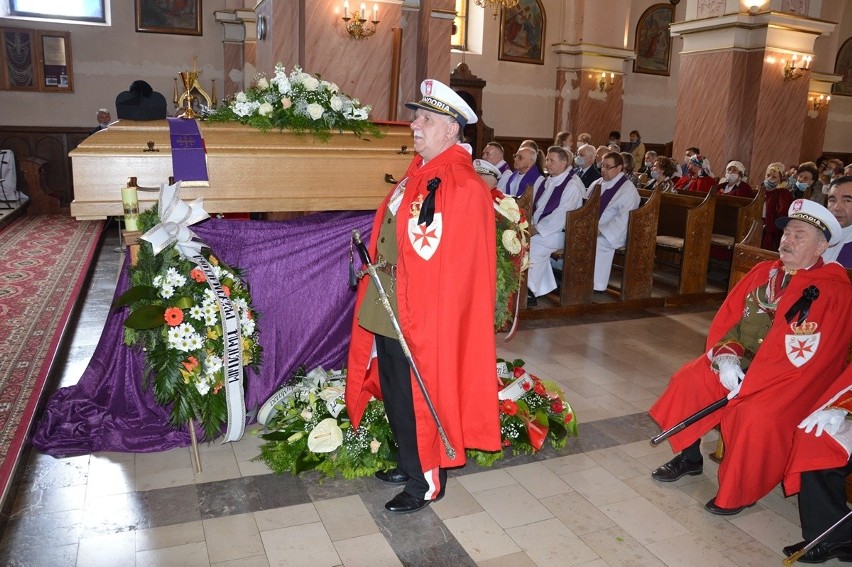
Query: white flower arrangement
[300, 102]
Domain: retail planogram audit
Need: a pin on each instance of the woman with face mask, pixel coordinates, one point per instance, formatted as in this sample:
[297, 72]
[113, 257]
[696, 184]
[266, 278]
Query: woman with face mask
[733, 184]
[777, 202]
[661, 175]
[807, 185]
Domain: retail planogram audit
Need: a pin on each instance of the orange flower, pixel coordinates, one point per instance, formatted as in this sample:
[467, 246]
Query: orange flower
[190, 363]
[173, 316]
[217, 387]
[227, 290]
[198, 275]
[568, 417]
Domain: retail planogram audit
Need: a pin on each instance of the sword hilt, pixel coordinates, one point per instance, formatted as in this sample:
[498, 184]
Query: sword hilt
[362, 248]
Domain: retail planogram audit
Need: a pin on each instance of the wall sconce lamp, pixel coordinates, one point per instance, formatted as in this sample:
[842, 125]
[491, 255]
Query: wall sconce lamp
[356, 24]
[605, 83]
[796, 70]
[819, 102]
[753, 7]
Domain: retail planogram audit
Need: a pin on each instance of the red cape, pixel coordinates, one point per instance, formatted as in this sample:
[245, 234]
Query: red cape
[446, 310]
[758, 425]
[695, 184]
[812, 453]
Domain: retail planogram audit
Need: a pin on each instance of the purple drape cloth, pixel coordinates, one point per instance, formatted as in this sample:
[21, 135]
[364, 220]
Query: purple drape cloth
[298, 274]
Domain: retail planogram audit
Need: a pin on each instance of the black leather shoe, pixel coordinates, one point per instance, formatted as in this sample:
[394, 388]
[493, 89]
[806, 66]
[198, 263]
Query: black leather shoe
[822, 552]
[677, 468]
[405, 503]
[719, 511]
[532, 300]
[393, 476]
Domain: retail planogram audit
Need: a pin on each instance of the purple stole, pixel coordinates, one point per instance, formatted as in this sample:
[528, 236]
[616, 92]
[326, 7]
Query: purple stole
[607, 195]
[555, 196]
[845, 255]
[502, 169]
[529, 178]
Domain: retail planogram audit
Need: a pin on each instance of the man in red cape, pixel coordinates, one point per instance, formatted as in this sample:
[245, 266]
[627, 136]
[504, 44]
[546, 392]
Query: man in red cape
[817, 469]
[434, 240]
[789, 363]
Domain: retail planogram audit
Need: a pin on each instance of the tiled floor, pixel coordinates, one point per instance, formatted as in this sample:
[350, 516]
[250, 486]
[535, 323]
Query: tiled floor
[592, 504]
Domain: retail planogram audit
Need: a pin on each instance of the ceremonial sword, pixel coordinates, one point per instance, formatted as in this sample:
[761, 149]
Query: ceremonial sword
[796, 556]
[383, 297]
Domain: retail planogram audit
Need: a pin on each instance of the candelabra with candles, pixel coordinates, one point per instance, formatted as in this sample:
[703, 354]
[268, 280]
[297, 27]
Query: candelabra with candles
[496, 5]
[605, 83]
[357, 24]
[793, 71]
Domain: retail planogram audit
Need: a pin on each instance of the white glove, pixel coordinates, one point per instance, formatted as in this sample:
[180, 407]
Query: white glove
[828, 420]
[733, 393]
[730, 374]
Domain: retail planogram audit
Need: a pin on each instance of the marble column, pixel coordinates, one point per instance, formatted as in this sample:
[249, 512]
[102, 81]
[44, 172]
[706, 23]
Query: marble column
[735, 100]
[590, 89]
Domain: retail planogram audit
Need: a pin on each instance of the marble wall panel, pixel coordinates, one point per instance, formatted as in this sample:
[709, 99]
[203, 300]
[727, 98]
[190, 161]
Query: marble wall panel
[593, 111]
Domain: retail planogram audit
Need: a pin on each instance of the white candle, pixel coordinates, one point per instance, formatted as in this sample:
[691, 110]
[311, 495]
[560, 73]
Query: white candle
[375, 12]
[345, 8]
[130, 203]
[363, 11]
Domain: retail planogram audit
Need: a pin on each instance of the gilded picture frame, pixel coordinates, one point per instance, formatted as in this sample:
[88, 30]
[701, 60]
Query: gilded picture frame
[522, 30]
[653, 42]
[179, 17]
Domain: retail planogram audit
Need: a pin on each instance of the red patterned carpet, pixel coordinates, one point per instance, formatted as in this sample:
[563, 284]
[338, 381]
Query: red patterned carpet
[43, 263]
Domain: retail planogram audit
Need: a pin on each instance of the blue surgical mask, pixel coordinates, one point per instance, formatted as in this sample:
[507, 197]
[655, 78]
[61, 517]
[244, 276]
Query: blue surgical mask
[655, 174]
[769, 184]
[801, 186]
[580, 161]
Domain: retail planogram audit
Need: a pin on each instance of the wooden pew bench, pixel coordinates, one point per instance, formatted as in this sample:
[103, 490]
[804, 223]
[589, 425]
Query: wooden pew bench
[683, 236]
[578, 254]
[637, 256]
[733, 218]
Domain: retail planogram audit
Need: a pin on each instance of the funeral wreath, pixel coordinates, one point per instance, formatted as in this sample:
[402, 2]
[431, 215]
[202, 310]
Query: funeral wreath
[307, 427]
[176, 320]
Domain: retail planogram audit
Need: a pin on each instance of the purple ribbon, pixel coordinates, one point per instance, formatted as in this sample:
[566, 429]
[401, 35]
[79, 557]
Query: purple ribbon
[529, 178]
[555, 196]
[189, 156]
[607, 195]
[845, 255]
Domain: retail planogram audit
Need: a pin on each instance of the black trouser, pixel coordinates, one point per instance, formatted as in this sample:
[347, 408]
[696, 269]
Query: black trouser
[395, 381]
[822, 502]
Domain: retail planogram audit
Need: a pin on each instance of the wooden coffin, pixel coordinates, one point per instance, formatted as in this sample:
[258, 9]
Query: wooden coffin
[249, 170]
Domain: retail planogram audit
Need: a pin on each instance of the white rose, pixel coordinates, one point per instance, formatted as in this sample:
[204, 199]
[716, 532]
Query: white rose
[374, 446]
[311, 83]
[286, 103]
[511, 242]
[336, 103]
[331, 393]
[315, 111]
[265, 109]
[306, 414]
[262, 83]
[241, 96]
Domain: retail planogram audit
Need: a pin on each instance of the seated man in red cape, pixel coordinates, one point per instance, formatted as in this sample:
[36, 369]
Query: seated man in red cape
[775, 345]
[817, 469]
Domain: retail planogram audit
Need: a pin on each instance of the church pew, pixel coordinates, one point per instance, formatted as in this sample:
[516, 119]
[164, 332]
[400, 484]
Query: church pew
[41, 202]
[637, 275]
[733, 217]
[578, 255]
[684, 230]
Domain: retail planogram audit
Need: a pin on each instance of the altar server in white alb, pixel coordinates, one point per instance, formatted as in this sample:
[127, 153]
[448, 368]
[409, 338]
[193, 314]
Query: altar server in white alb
[618, 197]
[560, 193]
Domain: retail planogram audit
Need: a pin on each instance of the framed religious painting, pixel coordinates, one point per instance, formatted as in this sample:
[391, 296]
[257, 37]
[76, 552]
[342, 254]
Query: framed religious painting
[522, 33]
[181, 17]
[843, 67]
[653, 42]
